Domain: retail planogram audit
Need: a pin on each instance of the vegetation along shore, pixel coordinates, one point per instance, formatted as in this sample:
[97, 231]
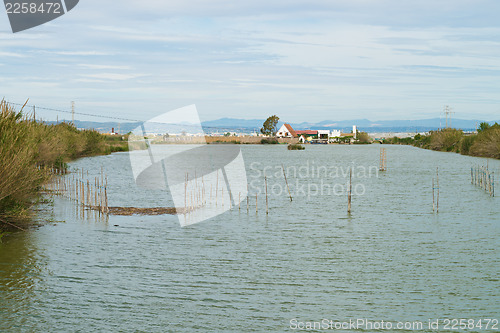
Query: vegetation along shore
[32, 152]
[484, 143]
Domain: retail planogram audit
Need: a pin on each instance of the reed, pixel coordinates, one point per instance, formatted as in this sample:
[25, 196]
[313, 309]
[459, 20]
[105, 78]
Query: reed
[31, 153]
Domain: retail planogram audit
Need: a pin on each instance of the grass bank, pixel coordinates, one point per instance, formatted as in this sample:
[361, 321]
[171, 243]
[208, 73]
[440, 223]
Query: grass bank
[486, 143]
[29, 153]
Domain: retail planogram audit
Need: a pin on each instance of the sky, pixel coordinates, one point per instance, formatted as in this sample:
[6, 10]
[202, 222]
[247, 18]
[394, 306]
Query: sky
[308, 60]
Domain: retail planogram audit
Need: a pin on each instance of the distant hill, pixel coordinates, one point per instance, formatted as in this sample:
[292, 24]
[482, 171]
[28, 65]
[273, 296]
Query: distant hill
[422, 125]
[250, 125]
[104, 127]
[232, 123]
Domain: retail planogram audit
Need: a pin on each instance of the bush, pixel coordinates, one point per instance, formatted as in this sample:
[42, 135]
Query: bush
[446, 139]
[487, 143]
[363, 137]
[269, 141]
[466, 144]
[296, 147]
[484, 144]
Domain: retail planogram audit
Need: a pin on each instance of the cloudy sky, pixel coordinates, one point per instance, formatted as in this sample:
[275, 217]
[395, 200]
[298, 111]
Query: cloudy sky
[304, 60]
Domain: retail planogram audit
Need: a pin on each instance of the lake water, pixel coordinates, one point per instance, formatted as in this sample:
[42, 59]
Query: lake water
[392, 259]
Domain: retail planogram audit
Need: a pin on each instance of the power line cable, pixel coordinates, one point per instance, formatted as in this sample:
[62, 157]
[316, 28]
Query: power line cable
[125, 119]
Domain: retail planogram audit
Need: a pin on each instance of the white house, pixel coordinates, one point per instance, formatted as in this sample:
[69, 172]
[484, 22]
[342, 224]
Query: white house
[286, 131]
[323, 134]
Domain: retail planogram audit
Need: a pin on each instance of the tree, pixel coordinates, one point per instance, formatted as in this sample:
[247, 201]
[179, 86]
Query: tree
[270, 126]
[363, 137]
[483, 126]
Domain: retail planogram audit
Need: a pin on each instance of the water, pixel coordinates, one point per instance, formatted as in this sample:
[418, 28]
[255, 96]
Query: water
[392, 259]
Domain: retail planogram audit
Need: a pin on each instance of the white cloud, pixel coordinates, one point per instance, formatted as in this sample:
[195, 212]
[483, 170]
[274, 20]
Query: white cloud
[335, 59]
[12, 54]
[82, 53]
[112, 76]
[95, 66]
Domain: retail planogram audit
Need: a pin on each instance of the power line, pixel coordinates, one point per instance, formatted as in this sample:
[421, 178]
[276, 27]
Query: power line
[73, 113]
[447, 112]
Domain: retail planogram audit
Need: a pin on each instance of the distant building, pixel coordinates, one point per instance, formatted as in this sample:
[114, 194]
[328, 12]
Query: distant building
[286, 131]
[335, 133]
[307, 136]
[323, 134]
[317, 136]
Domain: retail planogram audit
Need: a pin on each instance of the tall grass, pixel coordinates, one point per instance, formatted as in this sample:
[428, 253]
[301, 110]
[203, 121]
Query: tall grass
[30, 149]
[20, 175]
[486, 143]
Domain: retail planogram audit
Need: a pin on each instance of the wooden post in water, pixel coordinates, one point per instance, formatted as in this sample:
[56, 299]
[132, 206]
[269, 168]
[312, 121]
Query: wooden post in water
[96, 189]
[185, 192]
[349, 192]
[433, 199]
[493, 185]
[217, 187]
[383, 159]
[437, 199]
[286, 181]
[256, 207]
[267, 204]
[203, 196]
[88, 192]
[106, 195]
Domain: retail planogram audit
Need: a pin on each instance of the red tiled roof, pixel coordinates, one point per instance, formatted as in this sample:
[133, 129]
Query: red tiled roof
[308, 132]
[291, 130]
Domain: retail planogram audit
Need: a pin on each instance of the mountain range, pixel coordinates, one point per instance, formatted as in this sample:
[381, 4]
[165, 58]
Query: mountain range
[251, 125]
[422, 125]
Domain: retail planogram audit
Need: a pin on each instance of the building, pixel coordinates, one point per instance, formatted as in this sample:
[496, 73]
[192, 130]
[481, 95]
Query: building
[317, 136]
[335, 133]
[308, 135]
[323, 135]
[286, 131]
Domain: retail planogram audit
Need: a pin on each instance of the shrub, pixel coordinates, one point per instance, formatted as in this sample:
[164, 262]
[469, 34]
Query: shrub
[269, 141]
[296, 147]
[363, 137]
[446, 139]
[487, 143]
[466, 144]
